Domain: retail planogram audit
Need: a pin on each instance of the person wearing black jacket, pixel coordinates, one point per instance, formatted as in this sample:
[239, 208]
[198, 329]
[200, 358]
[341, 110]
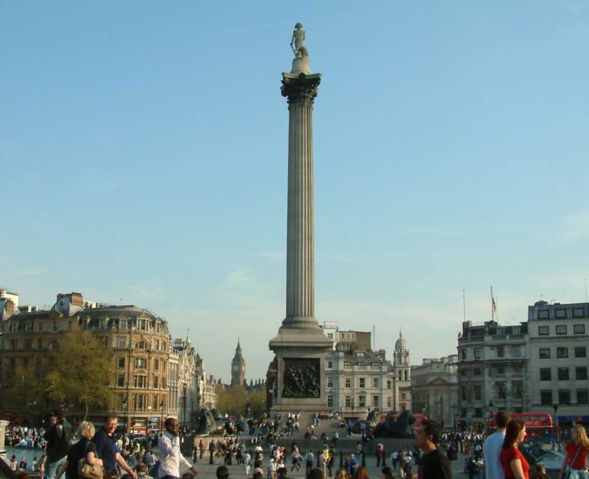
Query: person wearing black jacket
[434, 464]
[58, 438]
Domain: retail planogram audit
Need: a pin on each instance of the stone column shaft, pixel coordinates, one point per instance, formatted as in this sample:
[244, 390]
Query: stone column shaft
[300, 264]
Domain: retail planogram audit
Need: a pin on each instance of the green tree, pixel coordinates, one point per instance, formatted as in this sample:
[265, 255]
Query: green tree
[231, 400]
[257, 401]
[80, 371]
[24, 392]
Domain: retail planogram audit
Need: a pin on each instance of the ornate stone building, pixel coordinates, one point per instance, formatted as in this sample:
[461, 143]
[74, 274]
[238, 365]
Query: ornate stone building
[492, 370]
[402, 371]
[187, 381]
[358, 378]
[149, 377]
[206, 386]
[434, 386]
[237, 367]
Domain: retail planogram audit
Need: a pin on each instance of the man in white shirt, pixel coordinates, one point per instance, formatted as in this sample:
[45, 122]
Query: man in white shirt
[171, 458]
[492, 447]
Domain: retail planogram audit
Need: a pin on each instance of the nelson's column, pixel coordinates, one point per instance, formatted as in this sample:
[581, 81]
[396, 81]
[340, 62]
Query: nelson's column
[300, 345]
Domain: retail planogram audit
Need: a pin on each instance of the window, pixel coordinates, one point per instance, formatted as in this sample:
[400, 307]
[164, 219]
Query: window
[582, 397]
[390, 401]
[476, 371]
[563, 374]
[578, 328]
[544, 353]
[140, 363]
[543, 314]
[156, 364]
[348, 401]
[329, 382]
[389, 384]
[374, 382]
[120, 380]
[543, 330]
[141, 345]
[546, 397]
[463, 354]
[155, 382]
[561, 313]
[362, 401]
[562, 353]
[545, 374]
[564, 396]
[516, 351]
[362, 382]
[121, 363]
[477, 393]
[477, 353]
[581, 352]
[478, 412]
[140, 381]
[348, 383]
[139, 402]
[28, 344]
[375, 401]
[581, 373]
[561, 329]
[578, 313]
[329, 400]
[121, 342]
[501, 390]
[329, 364]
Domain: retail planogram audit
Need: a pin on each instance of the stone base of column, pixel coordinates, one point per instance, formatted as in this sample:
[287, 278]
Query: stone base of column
[300, 381]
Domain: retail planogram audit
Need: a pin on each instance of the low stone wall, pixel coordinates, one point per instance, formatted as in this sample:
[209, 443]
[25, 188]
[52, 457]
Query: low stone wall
[348, 445]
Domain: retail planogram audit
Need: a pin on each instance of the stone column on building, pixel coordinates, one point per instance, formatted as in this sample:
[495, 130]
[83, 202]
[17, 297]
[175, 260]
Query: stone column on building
[300, 345]
[3, 426]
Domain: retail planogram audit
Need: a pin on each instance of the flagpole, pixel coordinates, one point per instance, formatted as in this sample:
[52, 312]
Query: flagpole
[492, 305]
[464, 305]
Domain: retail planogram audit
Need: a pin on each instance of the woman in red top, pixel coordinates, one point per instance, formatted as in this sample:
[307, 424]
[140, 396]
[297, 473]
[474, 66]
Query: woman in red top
[513, 462]
[576, 453]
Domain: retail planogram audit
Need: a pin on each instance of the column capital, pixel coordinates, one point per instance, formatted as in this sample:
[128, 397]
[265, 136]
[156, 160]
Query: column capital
[299, 87]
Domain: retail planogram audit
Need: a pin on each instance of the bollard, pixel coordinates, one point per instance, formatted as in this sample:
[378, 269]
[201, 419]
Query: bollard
[363, 459]
[384, 458]
[341, 459]
[318, 453]
[211, 458]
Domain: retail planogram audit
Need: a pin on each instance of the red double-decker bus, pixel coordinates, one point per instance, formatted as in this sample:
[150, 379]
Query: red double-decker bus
[537, 423]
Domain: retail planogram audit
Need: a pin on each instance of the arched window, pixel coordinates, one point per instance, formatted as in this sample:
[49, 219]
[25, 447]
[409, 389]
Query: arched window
[141, 345]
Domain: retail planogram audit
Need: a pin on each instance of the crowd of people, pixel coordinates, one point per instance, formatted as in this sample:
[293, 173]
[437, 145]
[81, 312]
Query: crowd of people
[24, 436]
[158, 456]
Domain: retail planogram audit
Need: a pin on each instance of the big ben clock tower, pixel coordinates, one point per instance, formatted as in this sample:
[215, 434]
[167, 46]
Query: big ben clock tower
[237, 367]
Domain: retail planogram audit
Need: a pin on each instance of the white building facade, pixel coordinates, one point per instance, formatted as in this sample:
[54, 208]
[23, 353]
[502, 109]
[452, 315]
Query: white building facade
[434, 385]
[359, 379]
[559, 340]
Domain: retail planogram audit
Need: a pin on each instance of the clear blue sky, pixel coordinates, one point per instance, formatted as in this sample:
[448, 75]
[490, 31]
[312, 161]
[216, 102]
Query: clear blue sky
[143, 150]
